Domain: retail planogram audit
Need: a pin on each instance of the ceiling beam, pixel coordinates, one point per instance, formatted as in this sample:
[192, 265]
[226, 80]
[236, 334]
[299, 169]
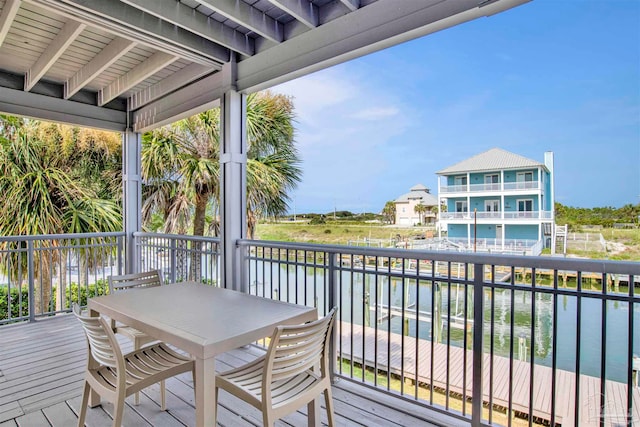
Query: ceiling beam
[56, 48]
[303, 10]
[185, 17]
[247, 16]
[9, 12]
[43, 107]
[167, 85]
[351, 4]
[110, 54]
[147, 68]
[378, 25]
[134, 24]
[193, 99]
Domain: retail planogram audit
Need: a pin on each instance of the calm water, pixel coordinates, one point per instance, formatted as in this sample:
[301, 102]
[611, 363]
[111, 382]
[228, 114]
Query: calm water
[364, 295]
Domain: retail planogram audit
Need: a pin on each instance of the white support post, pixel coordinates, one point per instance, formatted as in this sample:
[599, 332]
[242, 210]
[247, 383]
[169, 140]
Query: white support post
[233, 184]
[131, 195]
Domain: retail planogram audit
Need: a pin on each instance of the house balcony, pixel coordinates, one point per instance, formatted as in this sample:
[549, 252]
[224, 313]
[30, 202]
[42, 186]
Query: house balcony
[490, 188]
[497, 215]
[422, 336]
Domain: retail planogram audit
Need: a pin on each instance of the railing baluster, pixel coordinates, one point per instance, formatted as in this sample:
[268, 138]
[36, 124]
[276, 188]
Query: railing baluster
[478, 349]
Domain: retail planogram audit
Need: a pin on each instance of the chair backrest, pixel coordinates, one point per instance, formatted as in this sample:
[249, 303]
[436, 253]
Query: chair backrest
[135, 280]
[103, 346]
[299, 348]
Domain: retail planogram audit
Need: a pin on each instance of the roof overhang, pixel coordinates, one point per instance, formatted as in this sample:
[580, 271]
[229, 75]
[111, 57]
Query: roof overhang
[141, 64]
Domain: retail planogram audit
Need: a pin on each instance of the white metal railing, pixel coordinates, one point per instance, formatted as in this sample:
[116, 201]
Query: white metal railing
[523, 185]
[404, 318]
[490, 187]
[507, 215]
[496, 186]
[453, 188]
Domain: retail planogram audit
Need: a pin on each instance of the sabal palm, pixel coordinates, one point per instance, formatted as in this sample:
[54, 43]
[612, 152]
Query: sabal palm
[180, 166]
[41, 196]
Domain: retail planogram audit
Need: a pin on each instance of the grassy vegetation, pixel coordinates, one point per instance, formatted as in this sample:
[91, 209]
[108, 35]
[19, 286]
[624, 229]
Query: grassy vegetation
[341, 232]
[334, 232]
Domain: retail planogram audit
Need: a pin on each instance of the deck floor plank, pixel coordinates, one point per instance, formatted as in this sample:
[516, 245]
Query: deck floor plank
[43, 366]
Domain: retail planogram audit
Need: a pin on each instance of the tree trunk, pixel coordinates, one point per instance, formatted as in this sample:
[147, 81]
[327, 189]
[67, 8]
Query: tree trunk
[198, 230]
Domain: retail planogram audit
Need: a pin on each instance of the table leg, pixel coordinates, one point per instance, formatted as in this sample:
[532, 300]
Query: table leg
[205, 386]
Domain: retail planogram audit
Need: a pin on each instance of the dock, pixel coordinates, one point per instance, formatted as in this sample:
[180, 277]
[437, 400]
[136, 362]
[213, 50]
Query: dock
[453, 367]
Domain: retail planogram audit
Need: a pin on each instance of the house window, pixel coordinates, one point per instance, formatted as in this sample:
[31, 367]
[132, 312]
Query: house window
[492, 205]
[525, 205]
[524, 177]
[491, 179]
[460, 180]
[461, 206]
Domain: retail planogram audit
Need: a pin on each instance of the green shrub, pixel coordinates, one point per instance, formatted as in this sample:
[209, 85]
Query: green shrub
[17, 295]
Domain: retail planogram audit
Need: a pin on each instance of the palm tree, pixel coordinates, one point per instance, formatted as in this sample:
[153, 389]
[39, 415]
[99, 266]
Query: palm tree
[421, 209]
[41, 195]
[389, 212]
[180, 168]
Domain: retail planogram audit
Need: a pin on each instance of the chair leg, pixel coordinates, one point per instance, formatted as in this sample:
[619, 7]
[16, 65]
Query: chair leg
[136, 397]
[163, 397]
[84, 404]
[328, 401]
[118, 407]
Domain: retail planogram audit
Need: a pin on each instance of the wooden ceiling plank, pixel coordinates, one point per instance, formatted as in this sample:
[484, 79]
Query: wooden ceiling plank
[247, 16]
[183, 16]
[303, 10]
[9, 12]
[125, 82]
[65, 37]
[110, 54]
[352, 5]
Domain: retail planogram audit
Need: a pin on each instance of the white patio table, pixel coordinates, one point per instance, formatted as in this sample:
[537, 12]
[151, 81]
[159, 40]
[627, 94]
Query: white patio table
[202, 320]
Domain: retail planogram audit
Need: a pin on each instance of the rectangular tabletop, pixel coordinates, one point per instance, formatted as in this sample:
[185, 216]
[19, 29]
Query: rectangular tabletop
[203, 321]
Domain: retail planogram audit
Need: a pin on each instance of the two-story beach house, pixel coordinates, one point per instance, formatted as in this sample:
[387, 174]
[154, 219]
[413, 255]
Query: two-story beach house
[406, 212]
[498, 201]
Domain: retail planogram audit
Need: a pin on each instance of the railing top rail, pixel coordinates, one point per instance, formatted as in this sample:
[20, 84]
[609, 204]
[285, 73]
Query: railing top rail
[60, 236]
[177, 236]
[542, 262]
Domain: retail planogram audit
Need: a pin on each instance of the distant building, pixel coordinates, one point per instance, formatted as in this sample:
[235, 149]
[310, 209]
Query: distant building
[506, 198]
[406, 207]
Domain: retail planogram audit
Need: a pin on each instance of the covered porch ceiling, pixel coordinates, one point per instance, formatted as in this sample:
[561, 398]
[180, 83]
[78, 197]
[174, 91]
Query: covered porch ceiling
[140, 64]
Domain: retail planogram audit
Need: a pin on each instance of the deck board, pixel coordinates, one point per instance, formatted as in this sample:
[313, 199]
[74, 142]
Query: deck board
[448, 369]
[42, 366]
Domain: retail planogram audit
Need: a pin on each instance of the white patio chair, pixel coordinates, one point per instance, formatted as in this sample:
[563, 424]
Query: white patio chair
[133, 281]
[115, 376]
[287, 376]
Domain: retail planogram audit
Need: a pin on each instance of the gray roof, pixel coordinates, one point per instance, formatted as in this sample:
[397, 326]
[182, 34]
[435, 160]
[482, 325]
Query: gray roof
[491, 160]
[421, 193]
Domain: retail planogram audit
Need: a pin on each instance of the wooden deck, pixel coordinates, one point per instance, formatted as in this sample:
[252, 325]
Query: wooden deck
[451, 365]
[41, 371]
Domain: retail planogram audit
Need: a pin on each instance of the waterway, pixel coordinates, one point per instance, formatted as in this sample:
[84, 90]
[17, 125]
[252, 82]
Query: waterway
[360, 293]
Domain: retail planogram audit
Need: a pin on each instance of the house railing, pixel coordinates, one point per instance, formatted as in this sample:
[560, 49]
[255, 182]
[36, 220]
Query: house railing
[180, 257]
[538, 340]
[458, 332]
[506, 215]
[42, 275]
[490, 187]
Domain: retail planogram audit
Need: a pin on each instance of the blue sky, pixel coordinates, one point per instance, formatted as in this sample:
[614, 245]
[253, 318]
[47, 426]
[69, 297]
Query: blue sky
[551, 75]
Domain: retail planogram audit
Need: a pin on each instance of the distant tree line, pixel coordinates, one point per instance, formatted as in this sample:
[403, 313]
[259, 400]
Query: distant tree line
[603, 216]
